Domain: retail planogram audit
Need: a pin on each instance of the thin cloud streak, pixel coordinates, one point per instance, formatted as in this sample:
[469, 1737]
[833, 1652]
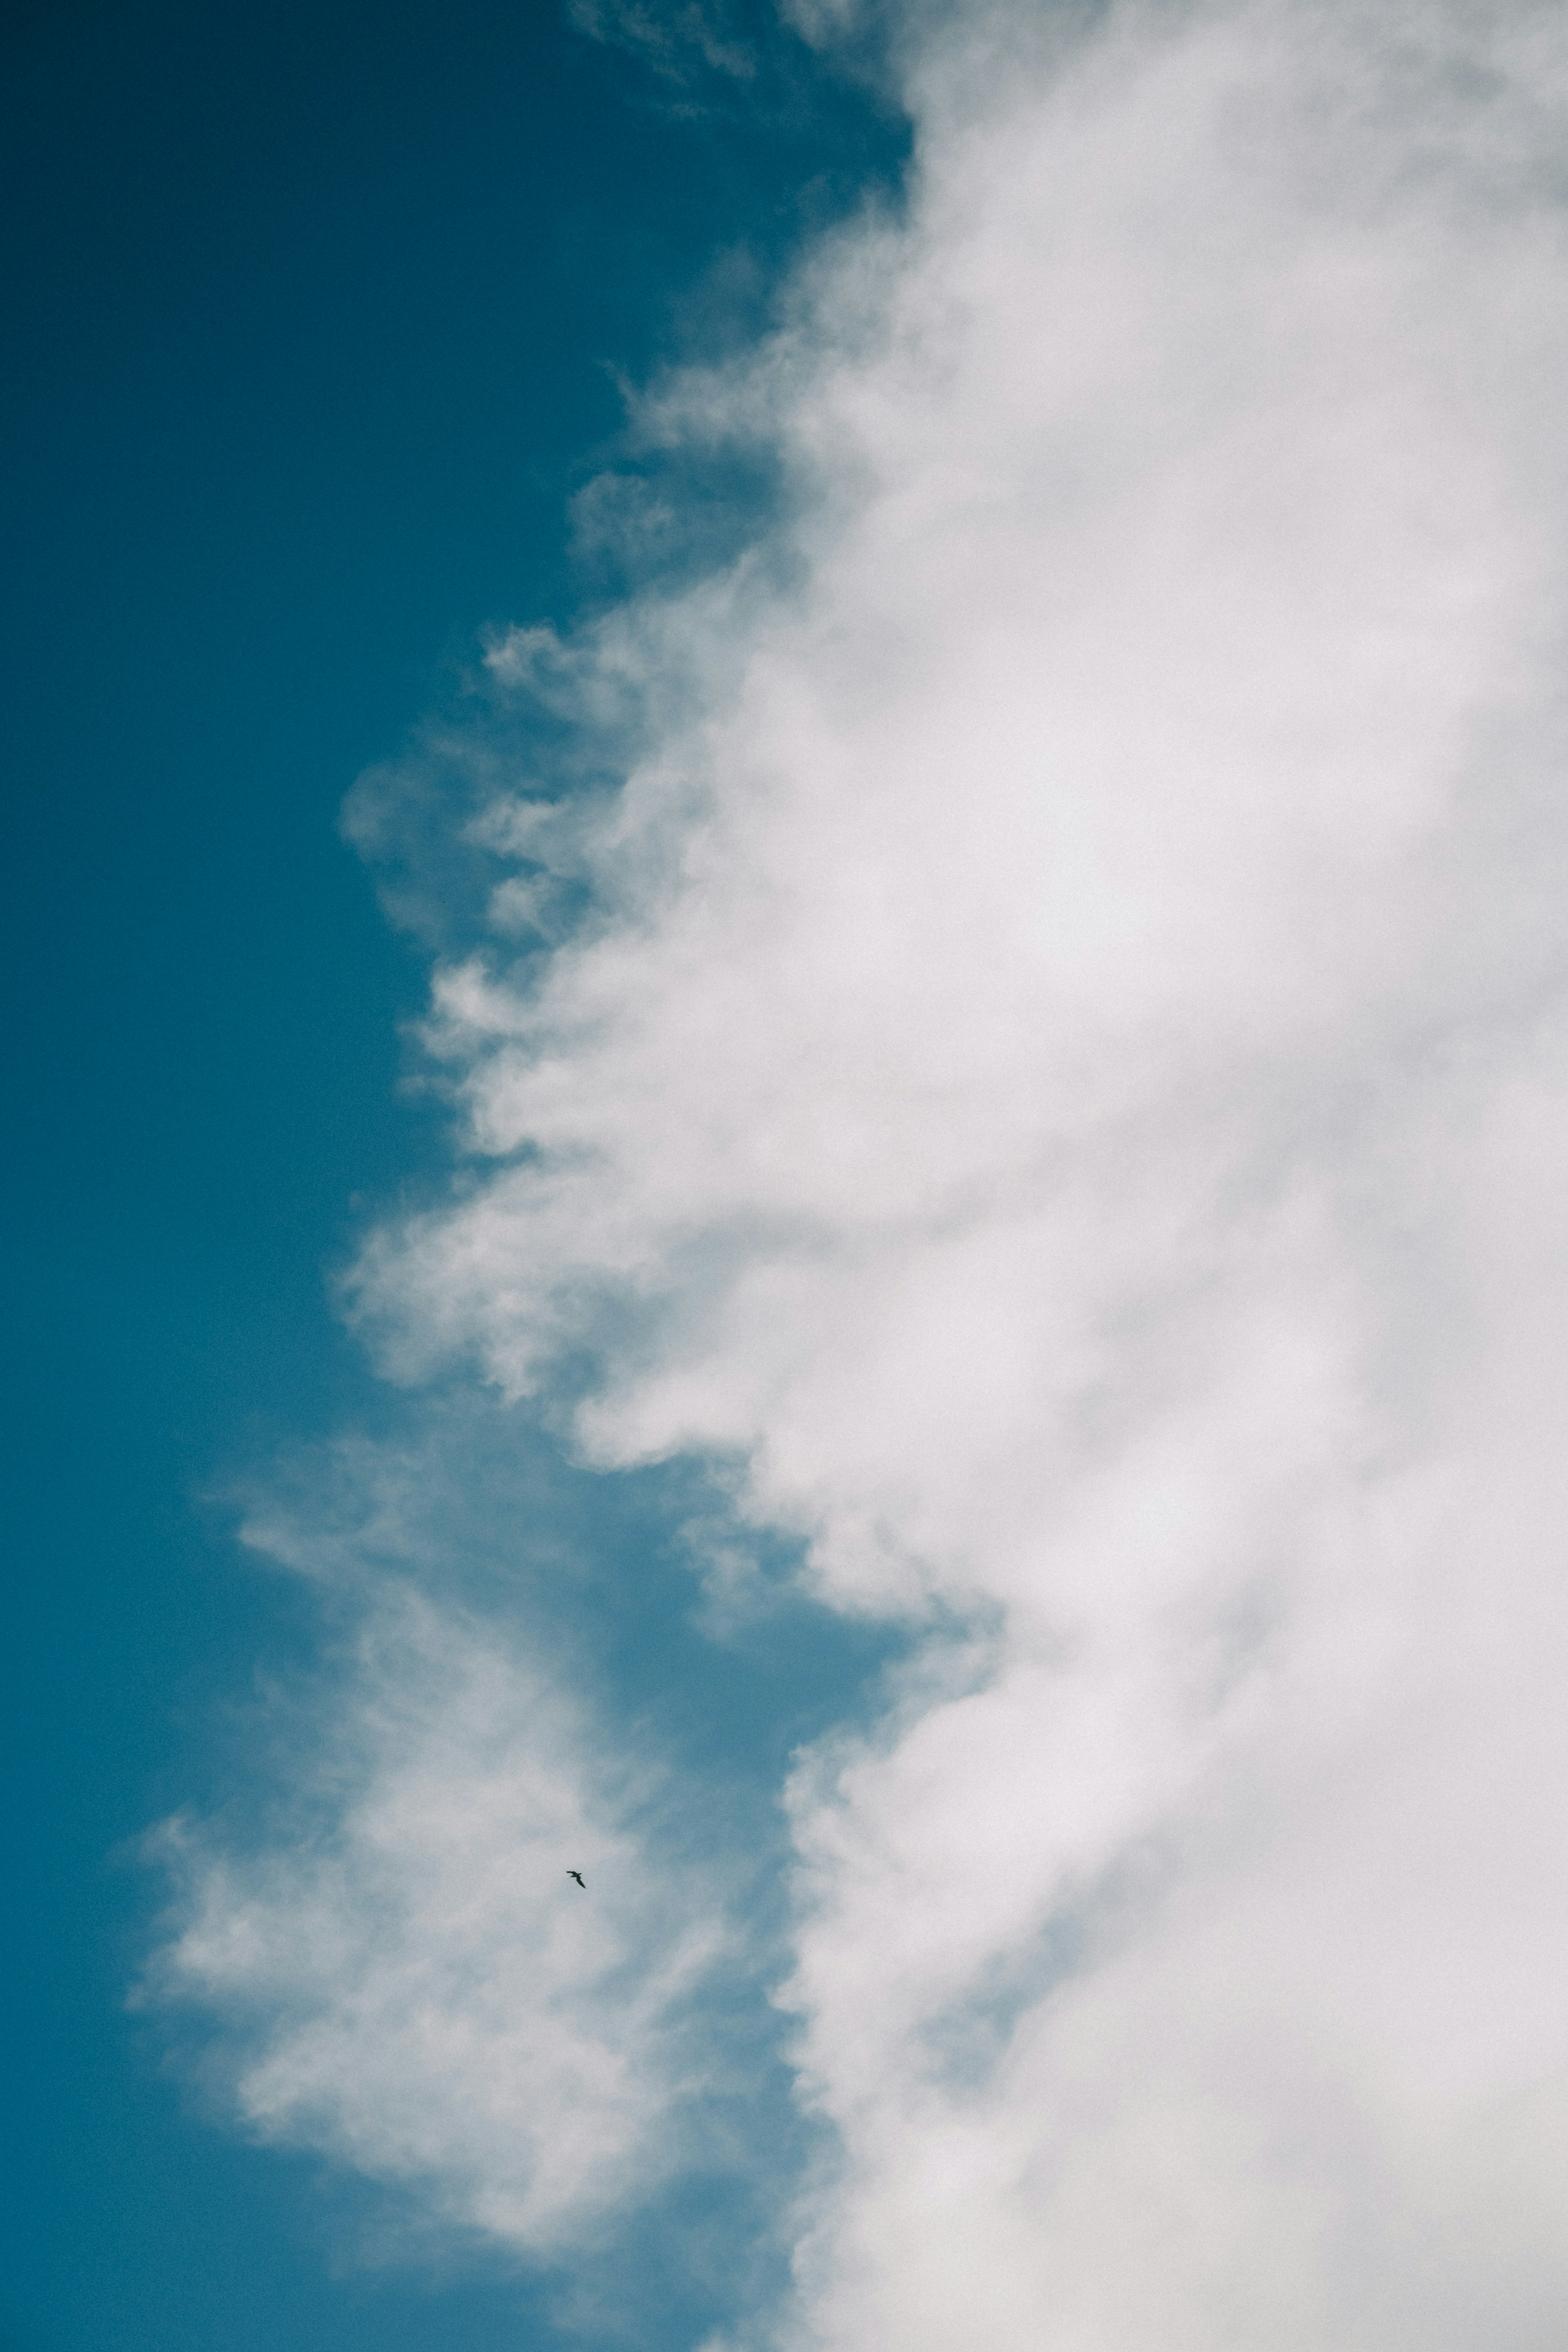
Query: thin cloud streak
[1024, 1023]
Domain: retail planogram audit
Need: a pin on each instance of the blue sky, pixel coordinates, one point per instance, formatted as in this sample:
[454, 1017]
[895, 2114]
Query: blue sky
[314, 330]
[791, 1112]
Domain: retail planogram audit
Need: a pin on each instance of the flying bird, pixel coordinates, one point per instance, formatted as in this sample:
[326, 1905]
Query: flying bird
[580, 1879]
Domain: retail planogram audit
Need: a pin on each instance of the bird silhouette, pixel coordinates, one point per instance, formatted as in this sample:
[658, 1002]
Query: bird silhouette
[580, 1879]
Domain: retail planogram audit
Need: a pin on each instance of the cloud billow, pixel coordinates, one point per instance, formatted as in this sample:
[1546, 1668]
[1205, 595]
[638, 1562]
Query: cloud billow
[1021, 1023]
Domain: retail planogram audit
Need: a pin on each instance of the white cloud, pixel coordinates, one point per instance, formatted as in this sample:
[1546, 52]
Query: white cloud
[406, 1975]
[1062, 1078]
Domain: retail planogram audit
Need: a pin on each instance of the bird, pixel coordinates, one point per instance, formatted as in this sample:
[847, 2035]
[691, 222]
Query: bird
[580, 1879]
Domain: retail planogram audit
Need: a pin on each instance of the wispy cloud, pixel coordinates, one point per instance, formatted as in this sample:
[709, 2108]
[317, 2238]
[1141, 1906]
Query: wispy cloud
[416, 1983]
[680, 43]
[376, 1950]
[1023, 1022]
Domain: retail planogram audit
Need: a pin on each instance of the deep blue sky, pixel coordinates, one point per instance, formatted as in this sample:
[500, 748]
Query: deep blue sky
[311, 315]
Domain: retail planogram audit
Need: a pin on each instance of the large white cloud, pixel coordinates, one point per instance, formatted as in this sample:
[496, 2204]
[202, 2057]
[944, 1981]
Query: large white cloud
[1050, 1068]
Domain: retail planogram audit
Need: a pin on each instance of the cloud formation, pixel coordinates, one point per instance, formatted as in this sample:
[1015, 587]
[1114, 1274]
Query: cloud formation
[1023, 1022]
[437, 2007]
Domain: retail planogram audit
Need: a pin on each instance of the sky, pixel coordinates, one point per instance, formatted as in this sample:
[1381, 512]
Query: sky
[792, 1054]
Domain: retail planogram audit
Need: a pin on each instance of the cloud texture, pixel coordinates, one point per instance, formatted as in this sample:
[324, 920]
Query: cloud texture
[1024, 1023]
